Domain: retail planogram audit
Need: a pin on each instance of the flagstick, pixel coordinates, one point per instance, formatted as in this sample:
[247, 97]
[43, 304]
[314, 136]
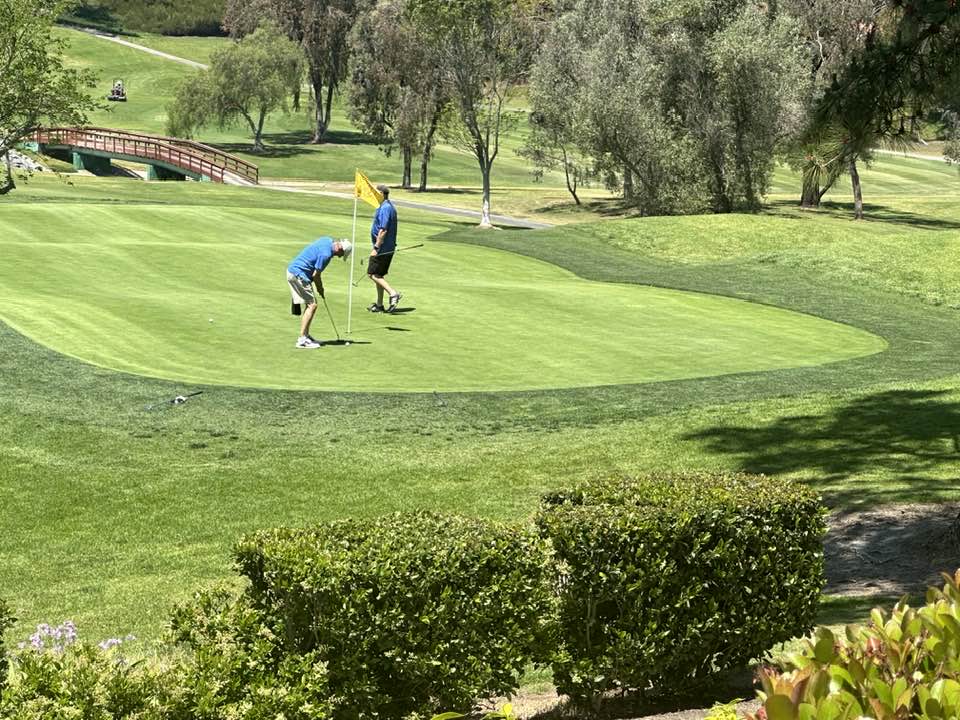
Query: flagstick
[352, 255]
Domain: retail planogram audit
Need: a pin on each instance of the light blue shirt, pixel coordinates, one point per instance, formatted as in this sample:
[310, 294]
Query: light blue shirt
[315, 256]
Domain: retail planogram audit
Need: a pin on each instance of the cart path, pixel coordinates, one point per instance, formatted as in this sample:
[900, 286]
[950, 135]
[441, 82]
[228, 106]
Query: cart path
[120, 41]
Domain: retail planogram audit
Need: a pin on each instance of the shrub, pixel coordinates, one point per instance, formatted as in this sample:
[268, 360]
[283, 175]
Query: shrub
[410, 612]
[667, 579]
[6, 622]
[56, 676]
[907, 666]
[237, 667]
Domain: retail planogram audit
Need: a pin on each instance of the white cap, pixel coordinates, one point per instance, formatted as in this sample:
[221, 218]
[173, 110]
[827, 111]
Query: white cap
[347, 247]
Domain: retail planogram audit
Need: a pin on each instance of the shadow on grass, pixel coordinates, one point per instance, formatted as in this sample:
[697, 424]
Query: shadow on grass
[872, 213]
[305, 137]
[905, 433]
[269, 151]
[841, 610]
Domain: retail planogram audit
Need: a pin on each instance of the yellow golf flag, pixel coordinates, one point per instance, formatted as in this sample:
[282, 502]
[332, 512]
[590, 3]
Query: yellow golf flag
[364, 190]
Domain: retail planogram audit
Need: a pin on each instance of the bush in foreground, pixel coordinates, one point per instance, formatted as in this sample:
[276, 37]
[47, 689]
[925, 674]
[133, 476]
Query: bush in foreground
[907, 666]
[6, 622]
[55, 676]
[405, 613]
[668, 579]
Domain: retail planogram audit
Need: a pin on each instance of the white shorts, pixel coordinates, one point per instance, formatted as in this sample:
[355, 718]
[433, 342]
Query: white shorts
[301, 291]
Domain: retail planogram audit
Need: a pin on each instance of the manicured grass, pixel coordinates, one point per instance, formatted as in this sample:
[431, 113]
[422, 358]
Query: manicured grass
[149, 296]
[113, 511]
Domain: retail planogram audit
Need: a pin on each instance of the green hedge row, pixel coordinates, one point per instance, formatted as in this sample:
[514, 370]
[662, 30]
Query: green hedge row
[623, 584]
[417, 612]
[667, 579]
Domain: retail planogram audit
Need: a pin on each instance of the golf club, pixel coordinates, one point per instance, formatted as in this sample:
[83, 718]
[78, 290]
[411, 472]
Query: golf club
[330, 315]
[391, 252]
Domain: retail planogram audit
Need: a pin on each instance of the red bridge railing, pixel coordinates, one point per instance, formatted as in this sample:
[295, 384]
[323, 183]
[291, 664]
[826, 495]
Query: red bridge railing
[186, 155]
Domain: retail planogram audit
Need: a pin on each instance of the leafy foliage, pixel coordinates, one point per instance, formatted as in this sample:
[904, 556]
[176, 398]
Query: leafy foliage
[6, 622]
[683, 106]
[412, 612]
[904, 666]
[80, 680]
[238, 668]
[35, 84]
[246, 81]
[666, 579]
[167, 17]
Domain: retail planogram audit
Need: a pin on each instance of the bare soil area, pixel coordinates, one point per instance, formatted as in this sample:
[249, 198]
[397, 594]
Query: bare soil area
[886, 552]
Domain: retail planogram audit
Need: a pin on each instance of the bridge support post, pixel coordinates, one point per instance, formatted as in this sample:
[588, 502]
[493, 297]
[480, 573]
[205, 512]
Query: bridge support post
[94, 163]
[155, 172]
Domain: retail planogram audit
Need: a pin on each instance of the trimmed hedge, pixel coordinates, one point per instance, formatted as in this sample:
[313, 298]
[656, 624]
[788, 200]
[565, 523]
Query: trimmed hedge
[409, 612]
[667, 579]
[904, 666]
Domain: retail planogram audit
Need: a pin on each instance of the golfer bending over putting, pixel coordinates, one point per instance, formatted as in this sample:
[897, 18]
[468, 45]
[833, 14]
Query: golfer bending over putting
[304, 270]
[383, 235]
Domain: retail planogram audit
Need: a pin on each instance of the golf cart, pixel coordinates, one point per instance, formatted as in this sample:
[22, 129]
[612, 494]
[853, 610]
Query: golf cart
[118, 93]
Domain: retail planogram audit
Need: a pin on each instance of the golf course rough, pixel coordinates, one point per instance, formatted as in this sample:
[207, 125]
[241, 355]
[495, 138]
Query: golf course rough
[140, 285]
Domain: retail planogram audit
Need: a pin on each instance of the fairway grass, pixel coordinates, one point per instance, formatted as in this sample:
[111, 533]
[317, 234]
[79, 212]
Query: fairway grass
[117, 503]
[197, 295]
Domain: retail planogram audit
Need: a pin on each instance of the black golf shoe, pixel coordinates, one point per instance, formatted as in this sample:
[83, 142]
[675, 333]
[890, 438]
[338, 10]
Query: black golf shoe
[376, 308]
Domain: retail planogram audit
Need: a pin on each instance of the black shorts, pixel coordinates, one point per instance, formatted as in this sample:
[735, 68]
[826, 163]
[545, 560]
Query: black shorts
[379, 265]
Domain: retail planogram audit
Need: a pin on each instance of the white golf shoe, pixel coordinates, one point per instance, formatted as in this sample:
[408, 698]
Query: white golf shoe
[307, 343]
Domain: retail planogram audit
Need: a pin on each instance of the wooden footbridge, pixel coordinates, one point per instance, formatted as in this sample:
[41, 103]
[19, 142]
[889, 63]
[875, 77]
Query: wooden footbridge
[92, 148]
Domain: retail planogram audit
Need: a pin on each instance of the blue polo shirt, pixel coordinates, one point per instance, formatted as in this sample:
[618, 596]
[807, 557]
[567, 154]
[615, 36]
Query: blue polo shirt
[315, 256]
[385, 217]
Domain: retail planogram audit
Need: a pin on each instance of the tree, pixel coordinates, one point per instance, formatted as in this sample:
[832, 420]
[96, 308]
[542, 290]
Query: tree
[320, 27]
[834, 32]
[907, 64]
[484, 49]
[35, 86]
[683, 106]
[396, 90]
[246, 81]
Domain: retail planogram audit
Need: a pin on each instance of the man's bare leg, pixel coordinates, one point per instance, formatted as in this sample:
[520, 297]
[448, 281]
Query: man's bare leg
[382, 286]
[306, 319]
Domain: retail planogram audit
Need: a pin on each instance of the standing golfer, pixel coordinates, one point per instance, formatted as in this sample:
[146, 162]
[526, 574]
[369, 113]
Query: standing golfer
[304, 272]
[383, 235]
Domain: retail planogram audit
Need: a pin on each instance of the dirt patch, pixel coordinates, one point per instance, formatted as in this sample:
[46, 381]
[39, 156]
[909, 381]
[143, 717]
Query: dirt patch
[888, 552]
[892, 550]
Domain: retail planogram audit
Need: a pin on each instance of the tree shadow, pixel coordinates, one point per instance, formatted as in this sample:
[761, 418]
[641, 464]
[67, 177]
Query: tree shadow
[269, 151]
[305, 137]
[905, 433]
[872, 213]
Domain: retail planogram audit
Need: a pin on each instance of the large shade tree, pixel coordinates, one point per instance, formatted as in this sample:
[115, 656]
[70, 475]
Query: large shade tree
[35, 84]
[484, 50]
[909, 64]
[245, 82]
[683, 106]
[322, 29]
[396, 92]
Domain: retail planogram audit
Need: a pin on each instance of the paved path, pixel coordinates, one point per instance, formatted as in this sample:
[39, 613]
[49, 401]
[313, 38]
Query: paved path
[429, 207]
[471, 214]
[120, 41]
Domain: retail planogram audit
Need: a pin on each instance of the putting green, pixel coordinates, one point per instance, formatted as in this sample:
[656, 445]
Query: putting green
[198, 295]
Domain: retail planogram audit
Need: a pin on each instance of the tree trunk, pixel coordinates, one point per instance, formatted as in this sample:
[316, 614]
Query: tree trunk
[428, 146]
[571, 182]
[485, 207]
[407, 163]
[810, 196]
[627, 184]
[319, 116]
[9, 183]
[857, 192]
